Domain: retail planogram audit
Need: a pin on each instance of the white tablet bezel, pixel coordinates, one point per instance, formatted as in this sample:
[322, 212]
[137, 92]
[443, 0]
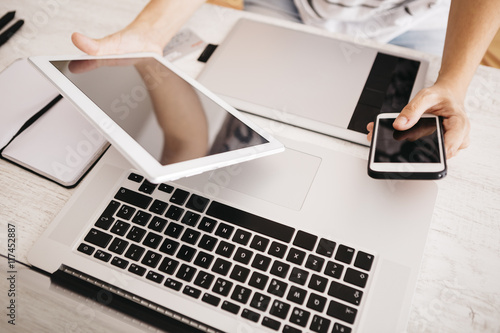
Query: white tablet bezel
[131, 149]
[406, 167]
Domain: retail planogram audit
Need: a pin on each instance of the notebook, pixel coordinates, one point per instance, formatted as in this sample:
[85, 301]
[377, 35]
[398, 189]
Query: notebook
[299, 241]
[43, 132]
[305, 77]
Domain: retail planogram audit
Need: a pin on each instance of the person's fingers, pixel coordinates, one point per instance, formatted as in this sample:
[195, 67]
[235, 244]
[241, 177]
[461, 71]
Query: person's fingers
[369, 127]
[456, 136]
[411, 113]
[85, 44]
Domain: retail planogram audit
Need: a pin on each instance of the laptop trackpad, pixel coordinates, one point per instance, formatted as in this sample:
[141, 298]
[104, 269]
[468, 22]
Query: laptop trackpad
[283, 179]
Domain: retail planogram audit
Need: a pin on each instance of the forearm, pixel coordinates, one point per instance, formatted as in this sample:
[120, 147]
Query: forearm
[472, 24]
[164, 17]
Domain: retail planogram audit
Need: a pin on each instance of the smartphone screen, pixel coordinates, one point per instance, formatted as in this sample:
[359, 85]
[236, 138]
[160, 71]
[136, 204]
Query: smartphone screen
[419, 144]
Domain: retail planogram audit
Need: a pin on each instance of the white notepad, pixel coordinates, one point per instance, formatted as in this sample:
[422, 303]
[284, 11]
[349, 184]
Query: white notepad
[61, 144]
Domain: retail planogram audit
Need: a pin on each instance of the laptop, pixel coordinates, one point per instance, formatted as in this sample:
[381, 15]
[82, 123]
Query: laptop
[302, 240]
[305, 77]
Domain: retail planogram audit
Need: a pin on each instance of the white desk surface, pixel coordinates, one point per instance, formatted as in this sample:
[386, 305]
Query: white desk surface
[459, 285]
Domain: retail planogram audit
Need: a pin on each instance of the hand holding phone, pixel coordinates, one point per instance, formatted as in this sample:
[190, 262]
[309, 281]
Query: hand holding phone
[417, 153]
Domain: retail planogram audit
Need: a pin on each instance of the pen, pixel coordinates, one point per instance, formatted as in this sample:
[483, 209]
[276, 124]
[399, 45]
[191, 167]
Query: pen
[6, 19]
[5, 36]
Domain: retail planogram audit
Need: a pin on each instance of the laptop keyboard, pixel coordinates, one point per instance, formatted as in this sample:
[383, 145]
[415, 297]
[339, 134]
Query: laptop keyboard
[265, 272]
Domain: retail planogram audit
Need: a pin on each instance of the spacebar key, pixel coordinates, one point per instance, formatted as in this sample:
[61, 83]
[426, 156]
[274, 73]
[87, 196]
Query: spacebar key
[133, 198]
[249, 221]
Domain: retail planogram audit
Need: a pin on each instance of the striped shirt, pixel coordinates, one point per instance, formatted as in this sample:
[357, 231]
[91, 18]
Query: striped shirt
[381, 20]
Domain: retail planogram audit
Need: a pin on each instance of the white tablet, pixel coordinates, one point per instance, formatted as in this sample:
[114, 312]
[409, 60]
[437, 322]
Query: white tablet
[165, 123]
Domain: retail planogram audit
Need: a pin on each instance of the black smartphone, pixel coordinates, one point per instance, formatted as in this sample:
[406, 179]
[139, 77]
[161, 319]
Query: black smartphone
[417, 153]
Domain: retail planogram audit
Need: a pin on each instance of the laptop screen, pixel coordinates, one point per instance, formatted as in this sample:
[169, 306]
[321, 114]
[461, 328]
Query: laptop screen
[167, 116]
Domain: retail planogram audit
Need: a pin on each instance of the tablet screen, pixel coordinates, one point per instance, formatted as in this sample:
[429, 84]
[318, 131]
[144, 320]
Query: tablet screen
[172, 120]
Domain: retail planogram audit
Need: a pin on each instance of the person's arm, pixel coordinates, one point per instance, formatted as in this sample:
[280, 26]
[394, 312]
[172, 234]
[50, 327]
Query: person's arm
[150, 31]
[471, 27]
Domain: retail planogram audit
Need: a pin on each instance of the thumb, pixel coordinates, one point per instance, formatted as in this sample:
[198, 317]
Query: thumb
[85, 44]
[412, 112]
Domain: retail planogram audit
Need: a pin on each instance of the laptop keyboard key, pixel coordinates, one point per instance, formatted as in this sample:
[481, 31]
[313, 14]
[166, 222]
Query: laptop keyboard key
[136, 234]
[316, 302]
[101, 255]
[119, 262]
[98, 238]
[133, 198]
[320, 324]
[155, 277]
[299, 317]
[186, 253]
[207, 224]
[250, 315]
[207, 242]
[339, 328]
[190, 218]
[334, 270]
[157, 224]
[151, 259]
[298, 276]
[168, 265]
[318, 283]
[230, 307]
[315, 263]
[169, 246]
[136, 269]
[325, 247]
[224, 230]
[173, 284]
[290, 329]
[134, 252]
[141, 218]
[259, 243]
[243, 255]
[260, 302]
[241, 294]
[147, 187]
[296, 256]
[261, 262]
[271, 323]
[277, 288]
[280, 269]
[174, 230]
[225, 249]
[222, 287]
[179, 197]
[125, 212]
[203, 259]
[239, 273]
[211, 299]
[258, 280]
[106, 218]
[296, 295]
[186, 273]
[174, 213]
[118, 246]
[204, 280]
[344, 254]
[190, 236]
[277, 250]
[190, 291]
[135, 177]
[279, 309]
[305, 240]
[345, 293]
[221, 266]
[342, 312]
[197, 203]
[87, 249]
[152, 240]
[166, 188]
[158, 207]
[364, 260]
[356, 277]
[120, 228]
[241, 237]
